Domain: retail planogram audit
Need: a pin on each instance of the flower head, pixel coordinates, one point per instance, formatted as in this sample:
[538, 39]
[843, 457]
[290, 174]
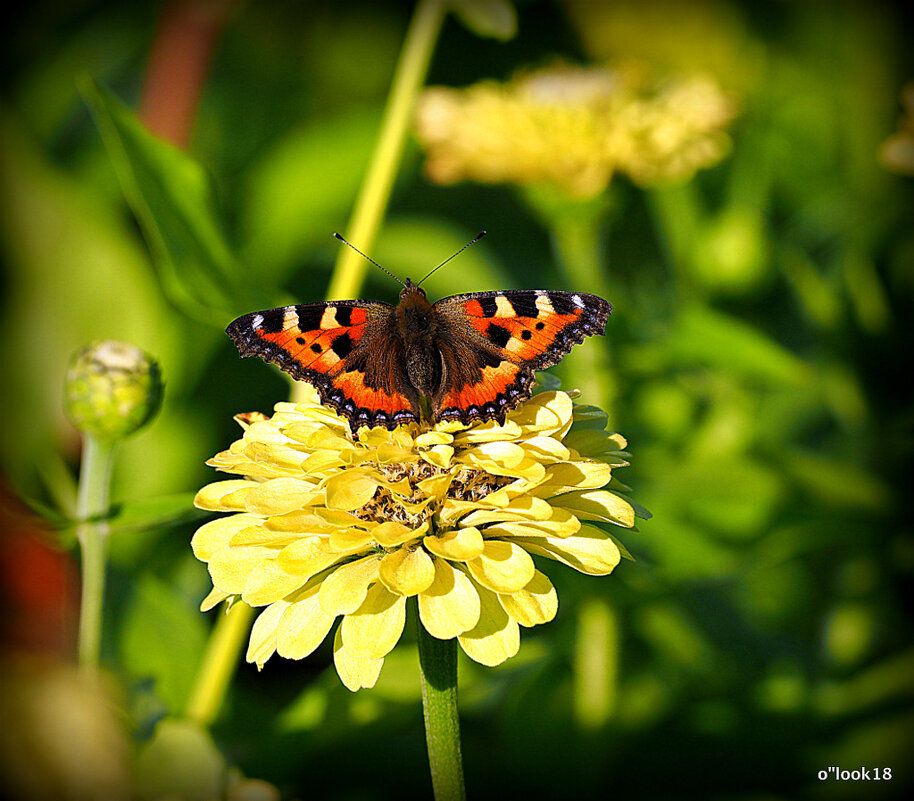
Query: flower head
[112, 389]
[327, 525]
[573, 127]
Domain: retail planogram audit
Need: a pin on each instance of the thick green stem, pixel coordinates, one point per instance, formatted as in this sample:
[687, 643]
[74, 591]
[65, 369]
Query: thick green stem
[92, 502]
[218, 664]
[438, 669]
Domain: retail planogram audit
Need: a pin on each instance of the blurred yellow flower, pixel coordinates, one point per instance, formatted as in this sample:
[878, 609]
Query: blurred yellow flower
[573, 127]
[897, 152]
[326, 525]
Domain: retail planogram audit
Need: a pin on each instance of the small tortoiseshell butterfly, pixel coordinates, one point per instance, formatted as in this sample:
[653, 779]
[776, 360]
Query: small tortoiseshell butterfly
[473, 356]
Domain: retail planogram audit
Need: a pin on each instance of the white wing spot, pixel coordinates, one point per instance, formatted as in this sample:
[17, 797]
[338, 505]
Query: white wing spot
[576, 299]
[256, 321]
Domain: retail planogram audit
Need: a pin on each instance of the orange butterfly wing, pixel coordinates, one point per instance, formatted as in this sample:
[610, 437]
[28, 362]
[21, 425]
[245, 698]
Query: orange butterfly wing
[335, 347]
[496, 340]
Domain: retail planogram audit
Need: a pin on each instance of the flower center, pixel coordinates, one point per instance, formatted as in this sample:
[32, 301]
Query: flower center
[419, 506]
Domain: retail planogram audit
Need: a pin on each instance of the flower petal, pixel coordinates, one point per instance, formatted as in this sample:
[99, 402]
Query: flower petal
[344, 590]
[303, 626]
[280, 495]
[355, 670]
[535, 604]
[495, 638]
[391, 534]
[450, 605]
[307, 556]
[568, 476]
[268, 582]
[407, 571]
[457, 545]
[263, 633]
[374, 629]
[350, 489]
[599, 505]
[217, 497]
[502, 566]
[590, 551]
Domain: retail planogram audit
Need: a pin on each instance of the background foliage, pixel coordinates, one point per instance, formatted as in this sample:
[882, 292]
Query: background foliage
[761, 363]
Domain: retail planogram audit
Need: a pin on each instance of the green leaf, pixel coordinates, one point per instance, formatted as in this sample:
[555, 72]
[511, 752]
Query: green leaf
[171, 195]
[147, 513]
[492, 18]
[708, 337]
[162, 637]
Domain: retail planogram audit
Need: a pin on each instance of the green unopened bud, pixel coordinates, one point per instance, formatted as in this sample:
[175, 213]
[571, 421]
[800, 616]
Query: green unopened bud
[112, 389]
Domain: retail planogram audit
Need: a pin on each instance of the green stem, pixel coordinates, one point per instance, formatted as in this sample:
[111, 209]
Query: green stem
[376, 188]
[92, 501]
[576, 239]
[438, 669]
[218, 665]
[596, 664]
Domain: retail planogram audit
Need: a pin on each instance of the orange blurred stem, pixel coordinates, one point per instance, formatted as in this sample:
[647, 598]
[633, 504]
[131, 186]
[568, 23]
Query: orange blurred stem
[178, 62]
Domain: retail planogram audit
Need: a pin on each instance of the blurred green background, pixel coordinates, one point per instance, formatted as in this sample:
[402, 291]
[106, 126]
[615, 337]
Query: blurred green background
[760, 357]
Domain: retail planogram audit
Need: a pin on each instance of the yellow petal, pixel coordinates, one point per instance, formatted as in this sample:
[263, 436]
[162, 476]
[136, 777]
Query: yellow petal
[263, 633]
[450, 605]
[546, 449]
[344, 590]
[488, 432]
[218, 497]
[568, 476]
[524, 508]
[502, 566]
[279, 495]
[495, 638]
[273, 454]
[349, 540]
[215, 536]
[259, 535]
[350, 489]
[436, 486]
[545, 413]
[438, 455]
[562, 524]
[429, 439]
[228, 566]
[458, 544]
[494, 457]
[407, 571]
[535, 604]
[590, 551]
[374, 629]
[215, 597]
[303, 626]
[599, 505]
[268, 582]
[307, 556]
[391, 534]
[355, 670]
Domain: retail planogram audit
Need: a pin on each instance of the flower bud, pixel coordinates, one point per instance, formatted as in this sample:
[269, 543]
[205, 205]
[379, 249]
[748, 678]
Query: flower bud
[112, 389]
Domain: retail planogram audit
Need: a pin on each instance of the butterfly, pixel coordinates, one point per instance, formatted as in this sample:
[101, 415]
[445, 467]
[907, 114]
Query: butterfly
[472, 356]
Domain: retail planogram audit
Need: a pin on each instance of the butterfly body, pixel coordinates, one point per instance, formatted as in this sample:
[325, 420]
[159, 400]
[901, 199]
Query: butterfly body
[473, 356]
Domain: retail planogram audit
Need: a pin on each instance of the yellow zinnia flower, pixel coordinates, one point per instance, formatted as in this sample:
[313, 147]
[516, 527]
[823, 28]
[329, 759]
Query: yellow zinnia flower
[574, 127]
[328, 525]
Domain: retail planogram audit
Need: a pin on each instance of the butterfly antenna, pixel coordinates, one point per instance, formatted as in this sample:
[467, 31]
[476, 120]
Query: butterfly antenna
[383, 269]
[475, 239]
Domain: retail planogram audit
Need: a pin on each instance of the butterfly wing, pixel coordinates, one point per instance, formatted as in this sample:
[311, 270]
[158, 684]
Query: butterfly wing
[496, 340]
[348, 350]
